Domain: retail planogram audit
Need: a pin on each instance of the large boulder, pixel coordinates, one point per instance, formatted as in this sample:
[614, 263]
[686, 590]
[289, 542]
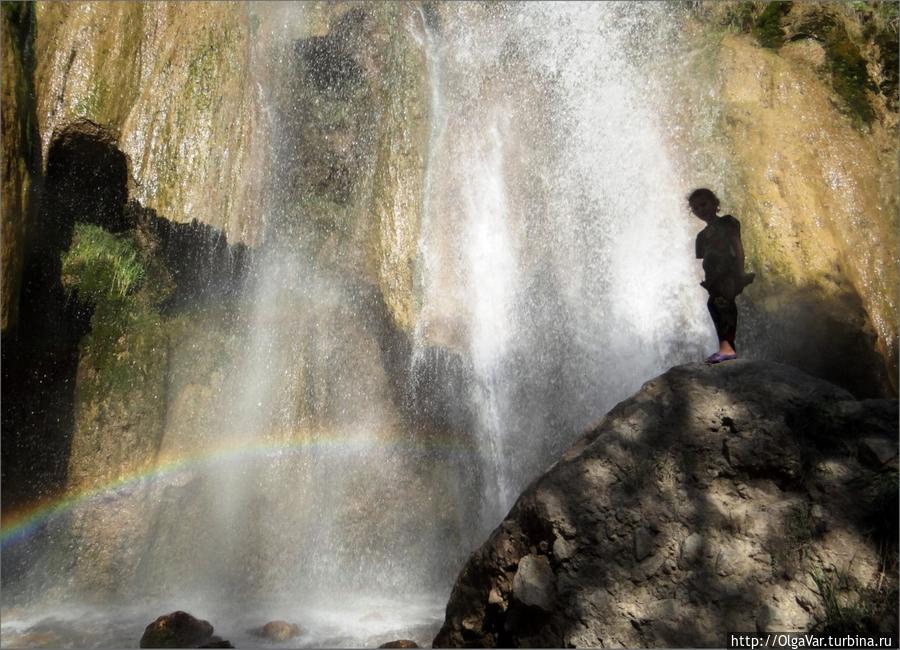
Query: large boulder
[744, 497]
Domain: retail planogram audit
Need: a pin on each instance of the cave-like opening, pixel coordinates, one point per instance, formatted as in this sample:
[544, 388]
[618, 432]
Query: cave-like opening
[85, 180]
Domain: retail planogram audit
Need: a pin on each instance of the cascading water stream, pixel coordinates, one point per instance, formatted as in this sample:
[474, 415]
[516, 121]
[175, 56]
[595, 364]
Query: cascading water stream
[491, 262]
[556, 240]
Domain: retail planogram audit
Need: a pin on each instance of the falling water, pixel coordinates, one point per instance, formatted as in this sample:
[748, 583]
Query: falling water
[555, 239]
[554, 275]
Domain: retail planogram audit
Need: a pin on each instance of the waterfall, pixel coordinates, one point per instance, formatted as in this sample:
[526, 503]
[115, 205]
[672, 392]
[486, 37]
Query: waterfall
[337, 469]
[556, 236]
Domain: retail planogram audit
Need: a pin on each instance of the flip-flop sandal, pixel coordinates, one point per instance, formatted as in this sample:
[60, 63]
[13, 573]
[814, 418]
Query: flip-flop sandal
[719, 358]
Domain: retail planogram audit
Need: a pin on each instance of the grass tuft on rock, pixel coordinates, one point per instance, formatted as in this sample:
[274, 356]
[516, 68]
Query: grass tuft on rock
[852, 609]
[101, 267]
[767, 26]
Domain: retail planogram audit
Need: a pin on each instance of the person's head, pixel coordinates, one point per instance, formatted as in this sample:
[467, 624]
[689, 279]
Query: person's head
[704, 203]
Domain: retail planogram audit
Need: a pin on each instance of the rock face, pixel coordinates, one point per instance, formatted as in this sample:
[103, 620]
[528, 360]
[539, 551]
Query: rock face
[807, 160]
[115, 65]
[355, 101]
[717, 499]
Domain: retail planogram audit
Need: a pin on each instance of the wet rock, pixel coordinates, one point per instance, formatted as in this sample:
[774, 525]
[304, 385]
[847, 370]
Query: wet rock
[279, 631]
[177, 630]
[731, 551]
[400, 643]
[534, 583]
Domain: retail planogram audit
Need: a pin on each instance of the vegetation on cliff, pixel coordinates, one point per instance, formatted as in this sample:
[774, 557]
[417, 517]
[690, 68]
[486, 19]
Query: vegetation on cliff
[101, 267]
[855, 37]
[116, 64]
[124, 357]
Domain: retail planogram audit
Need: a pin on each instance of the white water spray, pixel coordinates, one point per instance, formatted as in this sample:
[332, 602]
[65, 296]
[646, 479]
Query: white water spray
[559, 220]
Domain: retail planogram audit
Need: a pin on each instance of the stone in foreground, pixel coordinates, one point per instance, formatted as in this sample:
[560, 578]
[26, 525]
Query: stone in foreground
[178, 630]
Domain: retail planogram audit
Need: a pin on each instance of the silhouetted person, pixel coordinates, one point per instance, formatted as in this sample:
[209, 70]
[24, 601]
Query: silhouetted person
[719, 245]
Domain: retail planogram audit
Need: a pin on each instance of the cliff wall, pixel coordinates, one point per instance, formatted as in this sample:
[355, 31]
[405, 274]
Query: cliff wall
[797, 105]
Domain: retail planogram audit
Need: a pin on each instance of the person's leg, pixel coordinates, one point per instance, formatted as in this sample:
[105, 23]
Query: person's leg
[724, 314]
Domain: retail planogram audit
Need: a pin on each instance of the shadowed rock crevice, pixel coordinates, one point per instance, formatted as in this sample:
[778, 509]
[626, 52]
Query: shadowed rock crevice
[22, 162]
[831, 337]
[329, 59]
[205, 268]
[86, 179]
[190, 264]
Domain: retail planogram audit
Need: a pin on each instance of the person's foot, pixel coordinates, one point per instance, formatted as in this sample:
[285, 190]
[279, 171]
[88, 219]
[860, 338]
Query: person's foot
[718, 357]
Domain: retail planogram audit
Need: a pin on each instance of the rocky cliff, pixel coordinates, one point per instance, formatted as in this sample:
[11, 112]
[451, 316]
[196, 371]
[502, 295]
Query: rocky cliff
[797, 105]
[150, 119]
[746, 497]
[175, 83]
[802, 142]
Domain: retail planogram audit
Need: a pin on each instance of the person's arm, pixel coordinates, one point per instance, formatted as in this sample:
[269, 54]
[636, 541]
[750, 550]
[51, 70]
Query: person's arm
[737, 245]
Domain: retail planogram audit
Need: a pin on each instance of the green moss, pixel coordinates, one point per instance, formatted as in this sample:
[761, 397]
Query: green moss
[101, 267]
[767, 26]
[210, 64]
[125, 287]
[849, 74]
[92, 105]
[124, 350]
[203, 72]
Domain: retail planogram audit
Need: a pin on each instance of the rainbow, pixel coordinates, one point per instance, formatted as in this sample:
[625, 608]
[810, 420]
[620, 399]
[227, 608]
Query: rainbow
[21, 525]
